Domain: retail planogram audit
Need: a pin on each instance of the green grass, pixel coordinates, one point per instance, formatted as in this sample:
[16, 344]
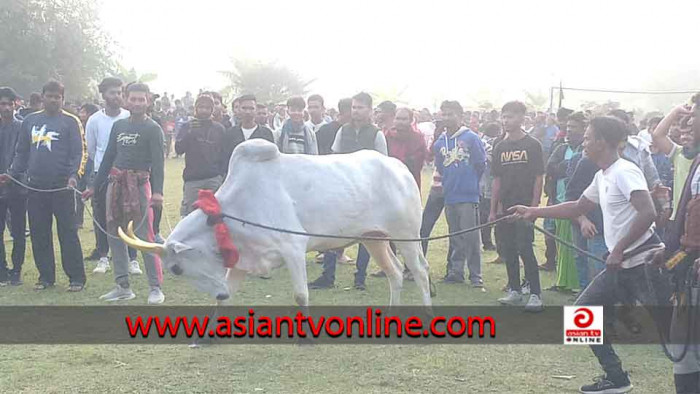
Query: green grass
[322, 368]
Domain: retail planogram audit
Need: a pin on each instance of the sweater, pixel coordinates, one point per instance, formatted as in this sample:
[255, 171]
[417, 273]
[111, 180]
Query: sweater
[50, 150]
[460, 159]
[134, 145]
[202, 143]
[410, 149]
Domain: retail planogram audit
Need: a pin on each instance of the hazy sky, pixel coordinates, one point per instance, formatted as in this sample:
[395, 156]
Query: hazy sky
[427, 50]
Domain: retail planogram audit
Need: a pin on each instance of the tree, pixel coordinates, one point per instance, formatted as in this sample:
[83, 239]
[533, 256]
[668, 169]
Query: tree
[60, 39]
[536, 101]
[269, 82]
[130, 75]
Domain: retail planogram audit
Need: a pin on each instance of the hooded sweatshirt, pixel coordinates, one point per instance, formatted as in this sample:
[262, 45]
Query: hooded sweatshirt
[460, 159]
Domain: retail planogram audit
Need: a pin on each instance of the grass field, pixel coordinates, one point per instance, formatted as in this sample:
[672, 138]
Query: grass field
[315, 369]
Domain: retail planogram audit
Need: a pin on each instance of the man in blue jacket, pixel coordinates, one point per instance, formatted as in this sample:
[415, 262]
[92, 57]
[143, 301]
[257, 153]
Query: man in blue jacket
[460, 159]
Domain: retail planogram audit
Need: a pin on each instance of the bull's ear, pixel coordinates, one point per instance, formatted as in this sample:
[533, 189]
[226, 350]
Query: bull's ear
[180, 247]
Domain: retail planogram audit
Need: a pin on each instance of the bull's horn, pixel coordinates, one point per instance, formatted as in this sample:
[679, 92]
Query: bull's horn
[133, 241]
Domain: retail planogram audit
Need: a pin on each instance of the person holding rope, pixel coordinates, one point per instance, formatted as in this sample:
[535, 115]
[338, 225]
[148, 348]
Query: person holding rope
[13, 199]
[628, 218]
[50, 152]
[518, 170]
[683, 243]
[131, 166]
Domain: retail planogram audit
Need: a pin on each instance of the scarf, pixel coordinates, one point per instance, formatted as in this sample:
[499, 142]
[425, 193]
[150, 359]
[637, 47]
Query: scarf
[287, 128]
[125, 198]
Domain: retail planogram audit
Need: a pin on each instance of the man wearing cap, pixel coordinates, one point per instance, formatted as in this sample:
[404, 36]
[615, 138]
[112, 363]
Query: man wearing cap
[201, 140]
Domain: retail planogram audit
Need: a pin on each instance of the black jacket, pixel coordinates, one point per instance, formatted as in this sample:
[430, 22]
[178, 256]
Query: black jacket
[234, 137]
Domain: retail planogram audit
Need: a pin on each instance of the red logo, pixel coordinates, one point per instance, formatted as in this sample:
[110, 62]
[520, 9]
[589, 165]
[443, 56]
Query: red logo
[583, 318]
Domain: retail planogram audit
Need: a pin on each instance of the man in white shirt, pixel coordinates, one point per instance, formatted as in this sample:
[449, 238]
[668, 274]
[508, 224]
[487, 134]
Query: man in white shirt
[628, 216]
[97, 131]
[317, 113]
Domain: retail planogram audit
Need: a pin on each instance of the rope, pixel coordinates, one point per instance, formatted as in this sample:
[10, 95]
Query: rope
[456, 233]
[79, 193]
[363, 238]
[307, 234]
[628, 91]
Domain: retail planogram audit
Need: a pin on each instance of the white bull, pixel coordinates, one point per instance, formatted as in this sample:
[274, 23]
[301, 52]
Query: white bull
[354, 195]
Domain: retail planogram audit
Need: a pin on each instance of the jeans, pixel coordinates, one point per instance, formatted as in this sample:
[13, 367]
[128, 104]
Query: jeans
[584, 265]
[466, 246]
[517, 242]
[609, 287]
[42, 209]
[143, 230]
[431, 214]
[484, 212]
[99, 210]
[16, 204]
[330, 259]
[361, 264]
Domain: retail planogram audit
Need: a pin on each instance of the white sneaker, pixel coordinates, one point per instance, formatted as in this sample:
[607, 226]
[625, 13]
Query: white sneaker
[119, 294]
[156, 296]
[513, 298]
[102, 266]
[534, 304]
[134, 268]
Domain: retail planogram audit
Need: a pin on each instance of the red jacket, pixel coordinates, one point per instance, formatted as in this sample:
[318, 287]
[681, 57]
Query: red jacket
[410, 149]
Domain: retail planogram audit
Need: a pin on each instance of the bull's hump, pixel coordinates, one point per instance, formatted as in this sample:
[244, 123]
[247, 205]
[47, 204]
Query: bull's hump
[257, 150]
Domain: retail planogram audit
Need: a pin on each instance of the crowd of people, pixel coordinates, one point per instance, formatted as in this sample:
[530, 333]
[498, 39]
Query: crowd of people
[613, 190]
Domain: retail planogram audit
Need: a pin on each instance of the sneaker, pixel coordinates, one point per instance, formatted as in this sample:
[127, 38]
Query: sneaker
[534, 304]
[604, 385]
[4, 283]
[525, 287]
[102, 266]
[345, 259]
[156, 296]
[319, 258]
[134, 268]
[95, 255]
[360, 286]
[479, 283]
[39, 286]
[453, 278]
[118, 294]
[497, 260]
[513, 298]
[378, 274]
[321, 283]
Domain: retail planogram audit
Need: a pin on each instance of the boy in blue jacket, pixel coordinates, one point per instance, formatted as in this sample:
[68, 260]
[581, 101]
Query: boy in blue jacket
[460, 159]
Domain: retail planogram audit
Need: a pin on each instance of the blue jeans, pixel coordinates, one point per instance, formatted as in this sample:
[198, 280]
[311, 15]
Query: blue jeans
[595, 246]
[330, 259]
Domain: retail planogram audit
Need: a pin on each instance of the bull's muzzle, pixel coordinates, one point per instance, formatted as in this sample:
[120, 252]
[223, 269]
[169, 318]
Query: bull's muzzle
[133, 241]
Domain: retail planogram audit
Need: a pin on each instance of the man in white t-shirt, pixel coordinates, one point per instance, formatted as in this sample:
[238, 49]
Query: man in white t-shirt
[628, 220]
[97, 131]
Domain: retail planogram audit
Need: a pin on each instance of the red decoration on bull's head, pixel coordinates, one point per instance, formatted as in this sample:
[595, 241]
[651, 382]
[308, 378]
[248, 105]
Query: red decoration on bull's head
[208, 203]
